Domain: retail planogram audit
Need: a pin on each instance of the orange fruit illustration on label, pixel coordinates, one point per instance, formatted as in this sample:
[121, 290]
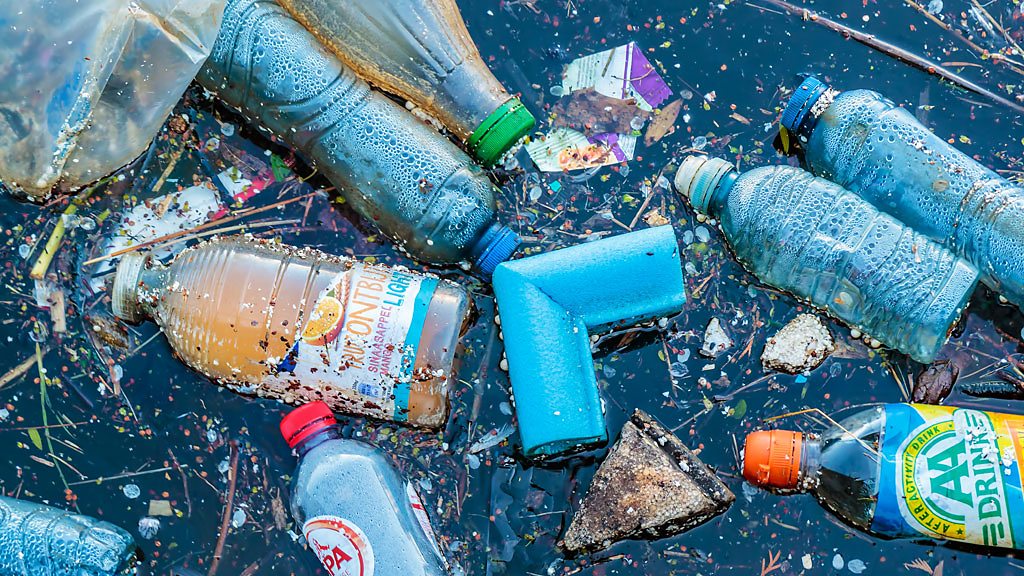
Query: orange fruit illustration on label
[324, 323]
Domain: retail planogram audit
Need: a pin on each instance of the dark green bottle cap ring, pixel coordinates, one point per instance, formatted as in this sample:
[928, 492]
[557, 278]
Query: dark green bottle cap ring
[503, 128]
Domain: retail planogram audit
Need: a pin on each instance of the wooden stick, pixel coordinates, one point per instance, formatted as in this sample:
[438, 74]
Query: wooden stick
[199, 228]
[997, 58]
[871, 41]
[225, 521]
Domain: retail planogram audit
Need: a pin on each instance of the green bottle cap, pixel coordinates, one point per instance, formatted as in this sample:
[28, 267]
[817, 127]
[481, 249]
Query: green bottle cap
[503, 128]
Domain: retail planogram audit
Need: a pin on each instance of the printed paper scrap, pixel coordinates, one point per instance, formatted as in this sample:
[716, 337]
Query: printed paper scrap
[622, 72]
[566, 149]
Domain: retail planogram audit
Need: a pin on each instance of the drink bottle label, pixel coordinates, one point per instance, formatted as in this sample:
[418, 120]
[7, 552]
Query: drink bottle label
[358, 344]
[951, 473]
[420, 512]
[341, 546]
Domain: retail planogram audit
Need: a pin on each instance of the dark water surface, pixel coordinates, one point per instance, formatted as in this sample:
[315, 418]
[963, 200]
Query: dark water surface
[171, 432]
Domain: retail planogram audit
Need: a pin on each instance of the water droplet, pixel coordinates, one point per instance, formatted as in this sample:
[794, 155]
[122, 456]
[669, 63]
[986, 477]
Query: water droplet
[699, 142]
[636, 123]
[557, 90]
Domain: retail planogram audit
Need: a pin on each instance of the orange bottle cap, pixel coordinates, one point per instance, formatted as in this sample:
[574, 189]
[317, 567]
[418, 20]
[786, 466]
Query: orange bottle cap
[771, 458]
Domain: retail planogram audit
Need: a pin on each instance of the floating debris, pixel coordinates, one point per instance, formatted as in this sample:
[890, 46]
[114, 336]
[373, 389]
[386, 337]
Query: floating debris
[801, 346]
[716, 339]
[650, 485]
[936, 382]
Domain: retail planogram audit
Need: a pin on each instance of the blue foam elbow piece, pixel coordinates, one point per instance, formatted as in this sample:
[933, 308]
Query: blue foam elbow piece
[550, 303]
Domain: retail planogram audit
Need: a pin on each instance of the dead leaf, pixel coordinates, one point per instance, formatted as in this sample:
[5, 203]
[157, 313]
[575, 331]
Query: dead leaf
[663, 123]
[589, 112]
[739, 118]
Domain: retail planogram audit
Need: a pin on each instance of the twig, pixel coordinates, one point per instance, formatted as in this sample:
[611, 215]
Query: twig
[997, 58]
[905, 56]
[199, 228]
[102, 479]
[56, 237]
[225, 522]
[19, 370]
[998, 26]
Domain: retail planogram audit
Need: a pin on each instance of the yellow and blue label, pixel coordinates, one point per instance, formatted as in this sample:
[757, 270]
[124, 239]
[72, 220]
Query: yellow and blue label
[952, 474]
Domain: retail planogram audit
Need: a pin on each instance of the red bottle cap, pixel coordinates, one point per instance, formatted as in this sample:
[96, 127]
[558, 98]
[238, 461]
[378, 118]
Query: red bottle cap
[771, 458]
[305, 421]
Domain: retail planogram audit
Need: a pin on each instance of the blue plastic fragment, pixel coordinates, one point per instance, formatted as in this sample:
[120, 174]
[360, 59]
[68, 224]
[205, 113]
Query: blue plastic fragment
[550, 303]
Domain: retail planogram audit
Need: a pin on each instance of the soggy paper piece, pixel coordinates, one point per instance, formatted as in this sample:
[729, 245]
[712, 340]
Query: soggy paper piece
[159, 217]
[622, 72]
[566, 149]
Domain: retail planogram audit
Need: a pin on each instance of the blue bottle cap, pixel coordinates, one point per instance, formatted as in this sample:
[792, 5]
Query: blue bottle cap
[497, 245]
[801, 102]
[698, 177]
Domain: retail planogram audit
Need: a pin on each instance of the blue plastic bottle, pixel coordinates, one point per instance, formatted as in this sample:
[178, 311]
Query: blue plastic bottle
[418, 187]
[37, 540]
[826, 245]
[869, 145]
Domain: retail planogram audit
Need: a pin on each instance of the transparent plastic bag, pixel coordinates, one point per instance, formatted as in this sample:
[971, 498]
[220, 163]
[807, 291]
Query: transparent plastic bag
[88, 83]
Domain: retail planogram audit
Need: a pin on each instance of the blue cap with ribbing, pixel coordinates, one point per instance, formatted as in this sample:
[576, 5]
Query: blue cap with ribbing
[496, 245]
[801, 102]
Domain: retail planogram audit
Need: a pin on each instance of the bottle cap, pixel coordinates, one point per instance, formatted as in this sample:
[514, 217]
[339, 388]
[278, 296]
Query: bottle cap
[698, 178]
[499, 131]
[801, 102]
[124, 299]
[497, 245]
[771, 458]
[305, 421]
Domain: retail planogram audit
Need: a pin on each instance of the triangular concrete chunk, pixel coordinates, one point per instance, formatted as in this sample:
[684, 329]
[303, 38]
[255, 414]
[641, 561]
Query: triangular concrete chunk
[650, 485]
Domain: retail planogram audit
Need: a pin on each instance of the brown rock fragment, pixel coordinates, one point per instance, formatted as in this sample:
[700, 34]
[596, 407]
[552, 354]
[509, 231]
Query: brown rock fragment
[650, 485]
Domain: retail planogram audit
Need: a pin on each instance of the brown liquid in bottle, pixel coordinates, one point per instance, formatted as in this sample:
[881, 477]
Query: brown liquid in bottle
[233, 309]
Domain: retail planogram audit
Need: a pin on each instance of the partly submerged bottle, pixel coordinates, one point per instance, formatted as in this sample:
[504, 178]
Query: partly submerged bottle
[867, 144]
[37, 540]
[418, 187]
[421, 50]
[357, 514]
[824, 244]
[301, 325]
[906, 471]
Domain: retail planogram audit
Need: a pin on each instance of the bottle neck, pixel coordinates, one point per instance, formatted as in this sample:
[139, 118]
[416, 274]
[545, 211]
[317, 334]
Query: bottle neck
[317, 438]
[810, 463]
[149, 287]
[720, 195]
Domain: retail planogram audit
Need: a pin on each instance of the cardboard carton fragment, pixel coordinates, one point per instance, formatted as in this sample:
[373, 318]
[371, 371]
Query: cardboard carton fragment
[650, 485]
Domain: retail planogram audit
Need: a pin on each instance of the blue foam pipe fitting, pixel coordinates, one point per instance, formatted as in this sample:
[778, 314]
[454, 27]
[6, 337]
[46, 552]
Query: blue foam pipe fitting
[550, 303]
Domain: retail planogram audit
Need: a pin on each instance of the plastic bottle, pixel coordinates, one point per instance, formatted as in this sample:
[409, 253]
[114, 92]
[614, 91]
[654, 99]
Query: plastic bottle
[37, 540]
[416, 185]
[357, 514]
[905, 471]
[826, 245]
[867, 144]
[301, 325]
[421, 50]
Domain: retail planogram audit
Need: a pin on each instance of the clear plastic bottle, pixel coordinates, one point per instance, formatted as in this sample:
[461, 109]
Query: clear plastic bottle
[300, 325]
[421, 50]
[905, 471]
[37, 540]
[824, 244]
[869, 145]
[356, 512]
[417, 186]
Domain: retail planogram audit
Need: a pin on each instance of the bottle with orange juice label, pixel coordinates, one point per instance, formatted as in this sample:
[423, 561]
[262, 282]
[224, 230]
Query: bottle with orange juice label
[906, 471]
[300, 325]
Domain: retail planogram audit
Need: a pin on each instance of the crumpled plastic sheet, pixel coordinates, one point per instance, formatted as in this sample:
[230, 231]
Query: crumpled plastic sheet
[88, 83]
